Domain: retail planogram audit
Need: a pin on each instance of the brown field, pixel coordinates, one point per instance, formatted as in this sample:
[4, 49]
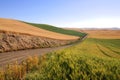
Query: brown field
[20, 27]
[101, 33]
[107, 34]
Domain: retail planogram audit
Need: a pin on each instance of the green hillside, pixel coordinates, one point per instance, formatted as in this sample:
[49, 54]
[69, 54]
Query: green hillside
[58, 30]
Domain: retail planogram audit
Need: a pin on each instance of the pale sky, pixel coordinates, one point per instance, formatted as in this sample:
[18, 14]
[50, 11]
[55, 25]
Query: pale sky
[64, 13]
[94, 23]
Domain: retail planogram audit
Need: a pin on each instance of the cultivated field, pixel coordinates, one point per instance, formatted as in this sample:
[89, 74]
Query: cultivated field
[99, 33]
[106, 34]
[20, 27]
[58, 30]
[94, 59]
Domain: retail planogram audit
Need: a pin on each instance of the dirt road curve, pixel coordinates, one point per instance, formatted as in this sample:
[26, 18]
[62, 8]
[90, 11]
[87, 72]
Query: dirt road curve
[10, 57]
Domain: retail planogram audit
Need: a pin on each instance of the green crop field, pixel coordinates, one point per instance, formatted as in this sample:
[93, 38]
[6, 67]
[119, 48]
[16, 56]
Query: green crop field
[93, 59]
[58, 30]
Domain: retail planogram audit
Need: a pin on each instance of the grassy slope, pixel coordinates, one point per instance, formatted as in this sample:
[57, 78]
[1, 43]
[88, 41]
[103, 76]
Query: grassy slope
[93, 59]
[58, 30]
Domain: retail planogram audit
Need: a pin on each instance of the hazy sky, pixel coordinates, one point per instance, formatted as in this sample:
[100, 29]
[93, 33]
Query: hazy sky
[64, 13]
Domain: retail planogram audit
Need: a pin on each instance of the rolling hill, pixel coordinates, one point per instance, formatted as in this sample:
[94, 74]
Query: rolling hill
[99, 33]
[58, 30]
[17, 35]
[20, 27]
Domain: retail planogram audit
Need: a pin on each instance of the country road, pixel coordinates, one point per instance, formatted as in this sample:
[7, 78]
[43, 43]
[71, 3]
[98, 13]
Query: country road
[11, 57]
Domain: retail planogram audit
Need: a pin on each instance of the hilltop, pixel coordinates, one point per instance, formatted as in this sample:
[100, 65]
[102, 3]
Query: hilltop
[20, 27]
[58, 30]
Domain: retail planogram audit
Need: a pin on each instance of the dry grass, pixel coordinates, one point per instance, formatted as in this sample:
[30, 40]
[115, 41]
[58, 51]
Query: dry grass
[106, 34]
[20, 27]
[100, 33]
[17, 71]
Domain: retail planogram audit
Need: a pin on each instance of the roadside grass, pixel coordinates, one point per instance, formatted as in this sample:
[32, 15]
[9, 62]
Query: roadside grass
[84, 61]
[17, 71]
[58, 30]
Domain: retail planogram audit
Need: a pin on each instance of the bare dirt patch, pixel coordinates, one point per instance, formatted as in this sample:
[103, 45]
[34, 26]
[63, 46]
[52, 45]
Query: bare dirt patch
[10, 41]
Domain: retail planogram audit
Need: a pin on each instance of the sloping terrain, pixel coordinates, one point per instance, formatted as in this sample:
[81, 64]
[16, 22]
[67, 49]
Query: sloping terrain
[20, 27]
[58, 30]
[94, 59]
[16, 35]
[13, 41]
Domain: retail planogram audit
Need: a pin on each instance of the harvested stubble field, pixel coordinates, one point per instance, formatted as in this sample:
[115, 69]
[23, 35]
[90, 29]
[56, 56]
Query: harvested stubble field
[106, 34]
[21, 27]
[100, 33]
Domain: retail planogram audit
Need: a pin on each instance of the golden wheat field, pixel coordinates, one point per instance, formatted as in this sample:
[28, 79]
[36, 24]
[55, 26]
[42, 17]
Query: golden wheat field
[21, 27]
[103, 34]
[99, 33]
